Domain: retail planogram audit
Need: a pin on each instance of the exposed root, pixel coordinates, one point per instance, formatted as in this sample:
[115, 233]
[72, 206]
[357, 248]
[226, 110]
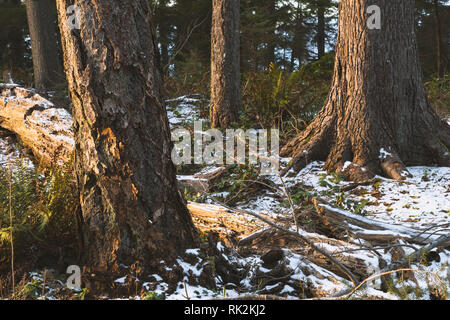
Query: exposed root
[394, 168]
[444, 135]
[311, 145]
[440, 152]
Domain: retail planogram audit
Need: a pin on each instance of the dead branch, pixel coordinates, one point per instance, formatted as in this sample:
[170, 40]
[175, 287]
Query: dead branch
[367, 229]
[340, 266]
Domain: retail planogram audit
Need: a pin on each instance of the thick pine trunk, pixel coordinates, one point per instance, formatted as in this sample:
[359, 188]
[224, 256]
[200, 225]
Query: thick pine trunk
[47, 66]
[377, 114]
[131, 206]
[225, 63]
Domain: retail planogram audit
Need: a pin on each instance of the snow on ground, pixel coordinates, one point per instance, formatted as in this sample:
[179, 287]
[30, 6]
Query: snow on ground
[183, 110]
[11, 155]
[421, 202]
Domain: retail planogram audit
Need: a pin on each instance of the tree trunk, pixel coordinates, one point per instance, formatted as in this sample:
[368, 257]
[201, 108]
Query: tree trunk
[298, 45]
[272, 39]
[163, 27]
[131, 206]
[320, 29]
[377, 114]
[225, 63]
[46, 62]
[437, 27]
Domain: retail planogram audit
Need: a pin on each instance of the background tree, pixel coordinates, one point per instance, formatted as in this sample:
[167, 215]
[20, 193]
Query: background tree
[191, 40]
[15, 55]
[377, 114]
[131, 207]
[162, 17]
[431, 17]
[225, 63]
[42, 25]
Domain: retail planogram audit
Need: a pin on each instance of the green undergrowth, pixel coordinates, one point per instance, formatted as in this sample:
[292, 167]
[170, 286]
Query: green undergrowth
[43, 206]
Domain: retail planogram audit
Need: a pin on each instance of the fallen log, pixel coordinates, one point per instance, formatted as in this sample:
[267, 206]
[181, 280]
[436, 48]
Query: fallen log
[203, 180]
[42, 127]
[229, 225]
[368, 229]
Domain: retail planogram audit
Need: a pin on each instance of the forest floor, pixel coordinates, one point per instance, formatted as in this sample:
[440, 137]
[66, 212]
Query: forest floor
[420, 203]
[254, 258]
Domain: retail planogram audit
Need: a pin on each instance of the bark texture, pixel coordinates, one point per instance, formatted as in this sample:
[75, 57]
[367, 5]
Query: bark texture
[225, 63]
[377, 115]
[47, 66]
[132, 210]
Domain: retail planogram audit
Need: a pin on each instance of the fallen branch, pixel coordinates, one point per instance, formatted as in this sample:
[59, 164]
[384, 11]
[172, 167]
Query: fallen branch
[400, 265]
[368, 229]
[381, 274]
[339, 265]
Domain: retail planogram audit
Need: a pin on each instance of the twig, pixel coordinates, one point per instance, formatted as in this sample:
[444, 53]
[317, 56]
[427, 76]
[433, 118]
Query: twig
[11, 228]
[186, 40]
[290, 202]
[389, 272]
[406, 261]
[185, 290]
[356, 185]
[375, 248]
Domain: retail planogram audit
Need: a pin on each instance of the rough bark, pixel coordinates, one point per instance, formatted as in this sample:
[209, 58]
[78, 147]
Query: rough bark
[377, 115]
[43, 128]
[132, 209]
[47, 66]
[225, 63]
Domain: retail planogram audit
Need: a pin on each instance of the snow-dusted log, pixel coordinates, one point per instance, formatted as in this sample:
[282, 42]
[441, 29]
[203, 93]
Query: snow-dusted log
[42, 127]
[203, 180]
[368, 229]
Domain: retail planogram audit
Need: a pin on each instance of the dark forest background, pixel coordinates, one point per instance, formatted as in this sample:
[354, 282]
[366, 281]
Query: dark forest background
[286, 50]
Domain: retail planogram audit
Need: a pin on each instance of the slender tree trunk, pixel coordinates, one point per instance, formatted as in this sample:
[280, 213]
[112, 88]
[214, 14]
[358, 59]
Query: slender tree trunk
[46, 62]
[437, 26]
[320, 29]
[225, 63]
[377, 115]
[298, 46]
[131, 206]
[271, 47]
[163, 34]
